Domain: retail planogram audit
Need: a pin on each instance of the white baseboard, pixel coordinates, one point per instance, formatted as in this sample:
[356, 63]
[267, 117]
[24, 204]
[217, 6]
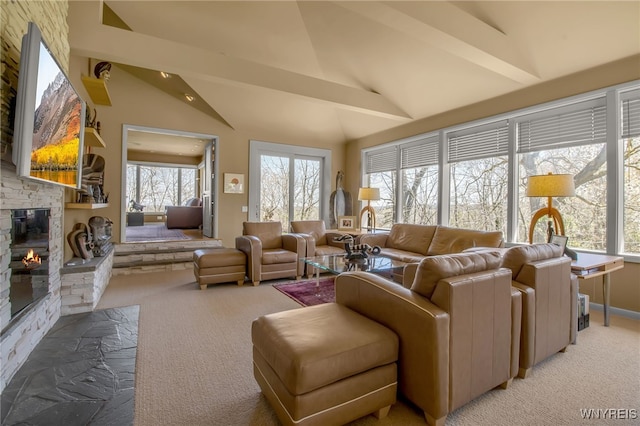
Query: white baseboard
[616, 311]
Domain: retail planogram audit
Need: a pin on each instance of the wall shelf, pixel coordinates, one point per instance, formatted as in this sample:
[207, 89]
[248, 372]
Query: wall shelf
[86, 206]
[97, 89]
[93, 138]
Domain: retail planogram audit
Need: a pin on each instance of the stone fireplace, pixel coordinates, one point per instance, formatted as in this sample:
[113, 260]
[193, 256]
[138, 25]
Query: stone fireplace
[23, 324]
[29, 263]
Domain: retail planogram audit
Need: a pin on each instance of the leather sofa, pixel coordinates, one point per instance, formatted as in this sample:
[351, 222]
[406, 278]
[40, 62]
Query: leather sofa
[270, 253]
[458, 327]
[185, 217]
[411, 243]
[549, 301]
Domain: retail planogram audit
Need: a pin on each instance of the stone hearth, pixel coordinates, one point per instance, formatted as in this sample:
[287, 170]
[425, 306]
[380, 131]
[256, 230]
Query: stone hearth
[81, 372]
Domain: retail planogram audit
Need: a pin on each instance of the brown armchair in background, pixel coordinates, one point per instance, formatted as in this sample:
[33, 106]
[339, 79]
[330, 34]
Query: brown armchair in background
[319, 241]
[187, 216]
[458, 325]
[270, 253]
[549, 301]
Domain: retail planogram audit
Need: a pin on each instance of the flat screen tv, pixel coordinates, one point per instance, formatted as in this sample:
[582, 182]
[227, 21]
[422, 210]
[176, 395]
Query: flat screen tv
[50, 115]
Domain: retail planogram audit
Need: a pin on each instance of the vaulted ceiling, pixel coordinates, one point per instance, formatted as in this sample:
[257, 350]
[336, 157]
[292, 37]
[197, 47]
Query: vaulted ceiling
[337, 71]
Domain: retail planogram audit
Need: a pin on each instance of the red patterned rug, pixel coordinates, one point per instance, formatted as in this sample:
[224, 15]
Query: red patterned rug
[309, 293]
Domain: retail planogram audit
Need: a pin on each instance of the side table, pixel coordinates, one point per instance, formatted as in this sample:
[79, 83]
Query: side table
[135, 218]
[595, 265]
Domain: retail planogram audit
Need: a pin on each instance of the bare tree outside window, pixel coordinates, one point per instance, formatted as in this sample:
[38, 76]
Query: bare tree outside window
[159, 186]
[385, 206]
[479, 194]
[307, 190]
[631, 195]
[274, 189]
[420, 195]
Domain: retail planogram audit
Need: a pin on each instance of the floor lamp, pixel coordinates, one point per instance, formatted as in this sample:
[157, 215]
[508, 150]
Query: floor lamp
[549, 186]
[368, 195]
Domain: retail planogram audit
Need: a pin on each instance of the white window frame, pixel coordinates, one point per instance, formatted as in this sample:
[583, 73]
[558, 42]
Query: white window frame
[615, 164]
[259, 148]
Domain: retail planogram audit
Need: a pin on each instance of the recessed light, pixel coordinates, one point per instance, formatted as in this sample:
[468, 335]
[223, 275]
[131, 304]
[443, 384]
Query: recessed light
[189, 97]
[165, 74]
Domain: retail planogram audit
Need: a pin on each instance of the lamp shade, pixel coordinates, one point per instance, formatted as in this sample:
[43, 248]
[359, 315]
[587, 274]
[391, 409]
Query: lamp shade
[368, 194]
[551, 186]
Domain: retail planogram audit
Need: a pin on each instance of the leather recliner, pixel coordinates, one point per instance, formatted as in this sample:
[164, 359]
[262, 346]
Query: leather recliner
[458, 325]
[549, 301]
[320, 242]
[270, 253]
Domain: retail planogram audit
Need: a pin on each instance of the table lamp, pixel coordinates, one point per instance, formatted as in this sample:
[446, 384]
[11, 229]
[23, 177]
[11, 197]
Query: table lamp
[368, 194]
[549, 186]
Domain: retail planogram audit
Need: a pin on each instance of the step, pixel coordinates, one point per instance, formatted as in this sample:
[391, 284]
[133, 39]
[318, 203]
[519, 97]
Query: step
[133, 258]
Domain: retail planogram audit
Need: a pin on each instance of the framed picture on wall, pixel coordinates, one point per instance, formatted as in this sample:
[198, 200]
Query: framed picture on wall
[233, 183]
[346, 223]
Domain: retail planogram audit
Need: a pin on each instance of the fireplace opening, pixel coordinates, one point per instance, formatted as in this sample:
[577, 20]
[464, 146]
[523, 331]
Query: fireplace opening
[29, 258]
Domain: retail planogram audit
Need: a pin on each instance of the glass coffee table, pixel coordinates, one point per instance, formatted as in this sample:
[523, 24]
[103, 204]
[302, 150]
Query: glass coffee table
[336, 264]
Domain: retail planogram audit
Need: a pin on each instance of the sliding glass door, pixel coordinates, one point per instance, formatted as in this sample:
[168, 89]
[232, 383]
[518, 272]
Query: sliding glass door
[290, 184]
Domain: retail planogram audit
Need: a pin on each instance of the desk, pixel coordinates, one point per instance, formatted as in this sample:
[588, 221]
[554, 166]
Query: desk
[595, 265]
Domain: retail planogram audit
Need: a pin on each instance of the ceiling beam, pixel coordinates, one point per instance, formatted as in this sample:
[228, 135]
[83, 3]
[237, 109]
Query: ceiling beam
[447, 27]
[90, 38]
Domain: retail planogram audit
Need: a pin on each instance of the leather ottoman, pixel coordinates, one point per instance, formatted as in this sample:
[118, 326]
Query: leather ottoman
[219, 265]
[324, 364]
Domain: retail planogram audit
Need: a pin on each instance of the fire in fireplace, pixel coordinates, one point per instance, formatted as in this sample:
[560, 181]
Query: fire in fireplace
[29, 258]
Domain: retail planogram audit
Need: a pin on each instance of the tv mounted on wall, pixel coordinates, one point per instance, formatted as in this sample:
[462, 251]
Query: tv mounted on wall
[50, 116]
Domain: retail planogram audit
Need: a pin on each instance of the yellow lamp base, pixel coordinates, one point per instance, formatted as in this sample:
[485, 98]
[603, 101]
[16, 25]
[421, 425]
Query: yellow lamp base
[553, 214]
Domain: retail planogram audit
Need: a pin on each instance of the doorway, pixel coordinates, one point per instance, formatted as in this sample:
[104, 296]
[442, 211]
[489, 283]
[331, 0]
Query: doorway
[163, 171]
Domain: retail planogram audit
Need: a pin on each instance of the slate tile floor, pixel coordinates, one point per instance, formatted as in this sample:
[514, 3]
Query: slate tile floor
[81, 373]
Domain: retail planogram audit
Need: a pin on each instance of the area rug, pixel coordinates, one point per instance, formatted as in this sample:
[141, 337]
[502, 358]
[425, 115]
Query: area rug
[309, 292]
[153, 232]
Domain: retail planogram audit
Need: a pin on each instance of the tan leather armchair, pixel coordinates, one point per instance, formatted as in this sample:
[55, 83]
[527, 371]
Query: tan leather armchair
[549, 301]
[319, 241]
[459, 327]
[270, 253]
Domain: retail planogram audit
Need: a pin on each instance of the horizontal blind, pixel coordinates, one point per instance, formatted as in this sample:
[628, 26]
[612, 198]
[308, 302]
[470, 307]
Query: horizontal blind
[630, 114]
[489, 140]
[381, 160]
[574, 125]
[420, 153]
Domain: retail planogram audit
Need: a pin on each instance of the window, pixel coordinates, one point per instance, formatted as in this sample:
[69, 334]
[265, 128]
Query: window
[419, 165]
[630, 108]
[380, 172]
[290, 184]
[156, 186]
[480, 182]
[417, 162]
[479, 177]
[567, 140]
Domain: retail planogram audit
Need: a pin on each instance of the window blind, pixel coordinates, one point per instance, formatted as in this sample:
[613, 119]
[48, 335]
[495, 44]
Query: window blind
[630, 114]
[421, 153]
[572, 125]
[382, 160]
[489, 140]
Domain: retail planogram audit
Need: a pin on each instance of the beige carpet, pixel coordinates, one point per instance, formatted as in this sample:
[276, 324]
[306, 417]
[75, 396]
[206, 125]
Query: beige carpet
[194, 363]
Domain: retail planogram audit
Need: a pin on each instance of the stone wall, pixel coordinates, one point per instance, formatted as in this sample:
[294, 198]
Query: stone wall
[83, 285]
[19, 339]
